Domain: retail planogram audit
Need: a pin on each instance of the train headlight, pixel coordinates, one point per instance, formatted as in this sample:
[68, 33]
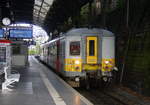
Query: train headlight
[105, 79]
[77, 79]
[77, 62]
[106, 62]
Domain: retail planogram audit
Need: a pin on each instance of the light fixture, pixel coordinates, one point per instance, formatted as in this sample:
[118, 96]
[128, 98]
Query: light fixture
[77, 62]
[106, 62]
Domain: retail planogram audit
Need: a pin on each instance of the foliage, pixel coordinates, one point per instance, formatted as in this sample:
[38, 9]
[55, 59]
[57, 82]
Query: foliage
[32, 52]
[84, 14]
[119, 3]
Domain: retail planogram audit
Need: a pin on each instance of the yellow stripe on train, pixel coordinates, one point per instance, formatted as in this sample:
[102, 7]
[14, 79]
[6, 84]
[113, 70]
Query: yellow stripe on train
[108, 64]
[91, 67]
[73, 64]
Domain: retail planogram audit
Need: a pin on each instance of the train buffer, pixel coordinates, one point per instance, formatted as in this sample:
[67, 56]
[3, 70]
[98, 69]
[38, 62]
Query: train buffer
[38, 85]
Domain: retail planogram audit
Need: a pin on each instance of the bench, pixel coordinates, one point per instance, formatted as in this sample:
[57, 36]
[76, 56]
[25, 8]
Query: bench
[9, 79]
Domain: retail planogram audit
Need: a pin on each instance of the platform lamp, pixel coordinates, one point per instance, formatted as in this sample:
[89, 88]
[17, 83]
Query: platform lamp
[6, 21]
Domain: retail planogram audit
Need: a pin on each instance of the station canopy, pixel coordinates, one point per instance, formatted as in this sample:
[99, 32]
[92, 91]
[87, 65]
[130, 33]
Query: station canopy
[41, 8]
[25, 11]
[45, 13]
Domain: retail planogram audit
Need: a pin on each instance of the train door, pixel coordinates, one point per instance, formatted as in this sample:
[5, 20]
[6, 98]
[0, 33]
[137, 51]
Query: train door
[91, 50]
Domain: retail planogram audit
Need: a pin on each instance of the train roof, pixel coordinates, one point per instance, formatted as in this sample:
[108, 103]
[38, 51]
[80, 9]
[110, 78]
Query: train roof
[51, 41]
[85, 31]
[82, 31]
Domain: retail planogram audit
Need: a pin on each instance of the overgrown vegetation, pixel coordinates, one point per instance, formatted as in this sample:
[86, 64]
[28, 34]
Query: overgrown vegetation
[32, 52]
[120, 3]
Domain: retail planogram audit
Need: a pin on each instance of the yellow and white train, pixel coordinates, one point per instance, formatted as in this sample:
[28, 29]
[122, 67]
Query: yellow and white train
[81, 53]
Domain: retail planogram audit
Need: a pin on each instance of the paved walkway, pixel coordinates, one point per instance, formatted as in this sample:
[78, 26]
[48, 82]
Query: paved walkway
[40, 86]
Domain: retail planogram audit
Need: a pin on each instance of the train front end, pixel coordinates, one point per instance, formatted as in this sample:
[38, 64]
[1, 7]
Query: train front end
[98, 54]
[90, 54]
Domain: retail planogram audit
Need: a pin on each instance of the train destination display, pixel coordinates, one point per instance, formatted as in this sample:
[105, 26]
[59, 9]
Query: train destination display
[1, 33]
[21, 33]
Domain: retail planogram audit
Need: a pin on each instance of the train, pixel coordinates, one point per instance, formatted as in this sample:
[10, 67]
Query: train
[81, 54]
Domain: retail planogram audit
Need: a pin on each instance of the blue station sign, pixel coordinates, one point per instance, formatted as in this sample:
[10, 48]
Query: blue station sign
[21, 33]
[1, 33]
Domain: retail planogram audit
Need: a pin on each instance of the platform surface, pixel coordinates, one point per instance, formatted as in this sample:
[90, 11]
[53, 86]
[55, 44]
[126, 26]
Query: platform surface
[40, 86]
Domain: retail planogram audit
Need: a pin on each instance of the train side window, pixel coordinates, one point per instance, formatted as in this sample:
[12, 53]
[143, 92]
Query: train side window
[75, 48]
[49, 50]
[91, 47]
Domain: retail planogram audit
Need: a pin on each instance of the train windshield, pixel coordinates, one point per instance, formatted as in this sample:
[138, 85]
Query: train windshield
[91, 47]
[75, 48]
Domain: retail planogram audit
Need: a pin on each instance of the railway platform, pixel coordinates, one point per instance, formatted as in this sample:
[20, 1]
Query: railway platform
[40, 86]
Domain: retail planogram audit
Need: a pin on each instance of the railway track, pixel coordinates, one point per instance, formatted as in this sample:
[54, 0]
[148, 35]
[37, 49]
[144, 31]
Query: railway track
[108, 96]
[105, 97]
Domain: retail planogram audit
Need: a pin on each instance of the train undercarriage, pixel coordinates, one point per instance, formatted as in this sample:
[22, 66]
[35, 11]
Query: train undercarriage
[93, 79]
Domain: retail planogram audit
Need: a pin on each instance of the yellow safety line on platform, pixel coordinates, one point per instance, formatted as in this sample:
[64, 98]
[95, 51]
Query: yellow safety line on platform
[52, 91]
[86, 101]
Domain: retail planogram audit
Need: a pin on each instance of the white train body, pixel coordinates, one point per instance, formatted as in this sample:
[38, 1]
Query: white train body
[81, 52]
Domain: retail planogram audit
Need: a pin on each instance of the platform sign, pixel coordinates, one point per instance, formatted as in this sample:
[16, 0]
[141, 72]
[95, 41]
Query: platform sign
[21, 33]
[1, 33]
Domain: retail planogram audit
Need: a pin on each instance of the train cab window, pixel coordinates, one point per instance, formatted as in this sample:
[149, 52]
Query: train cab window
[75, 48]
[2, 54]
[91, 47]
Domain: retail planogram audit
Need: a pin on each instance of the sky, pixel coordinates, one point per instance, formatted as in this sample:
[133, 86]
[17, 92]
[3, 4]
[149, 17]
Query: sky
[39, 34]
